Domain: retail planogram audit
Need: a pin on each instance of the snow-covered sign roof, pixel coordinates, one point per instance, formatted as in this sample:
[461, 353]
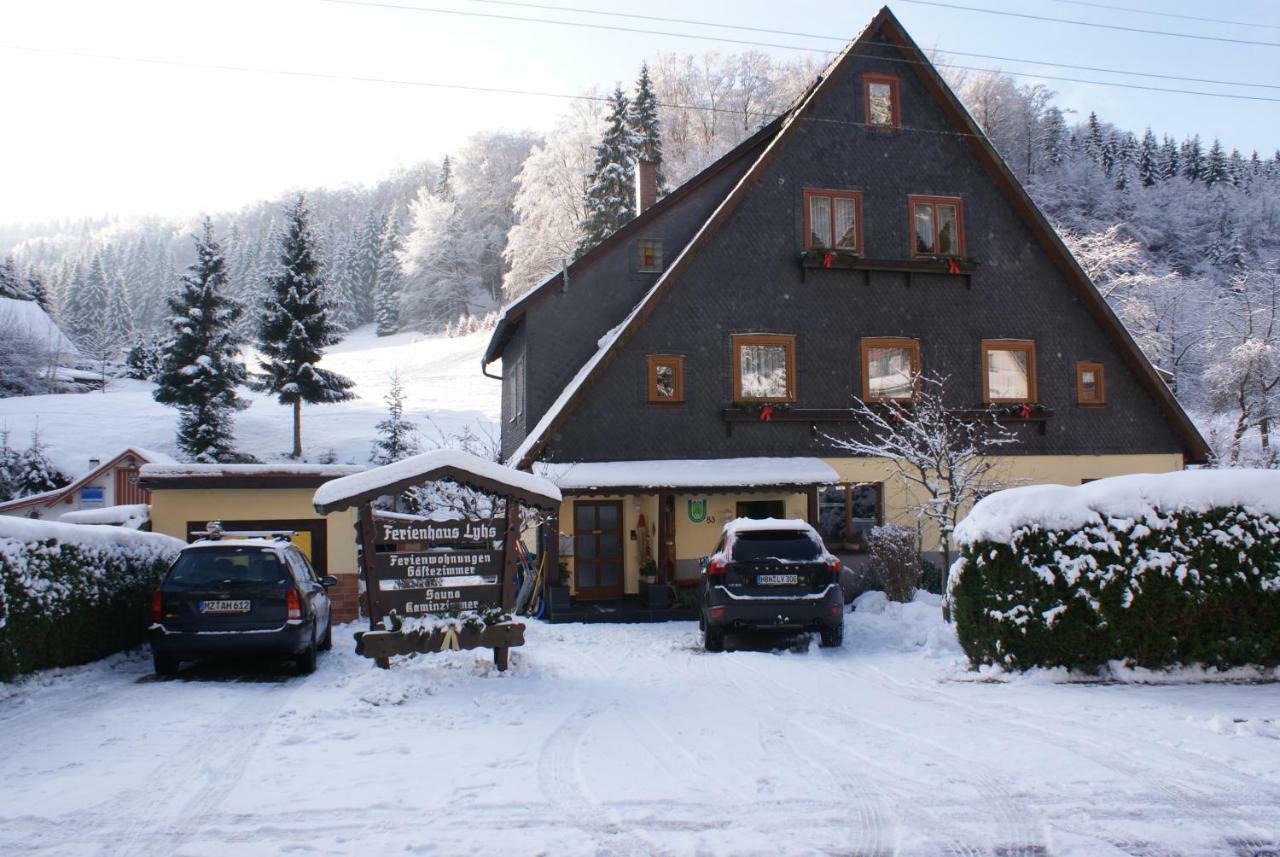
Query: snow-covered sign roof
[452, 464]
[29, 317]
[1065, 507]
[687, 473]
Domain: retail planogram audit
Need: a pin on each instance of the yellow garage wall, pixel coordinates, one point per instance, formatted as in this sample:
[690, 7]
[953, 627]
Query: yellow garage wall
[694, 541]
[901, 499]
[171, 509]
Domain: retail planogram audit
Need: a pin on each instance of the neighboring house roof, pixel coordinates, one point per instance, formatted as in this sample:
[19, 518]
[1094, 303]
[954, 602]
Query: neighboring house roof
[884, 23]
[31, 318]
[511, 314]
[57, 495]
[703, 473]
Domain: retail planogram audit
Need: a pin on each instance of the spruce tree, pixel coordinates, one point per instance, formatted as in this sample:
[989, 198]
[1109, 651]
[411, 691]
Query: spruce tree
[1055, 127]
[1215, 165]
[12, 284]
[1093, 141]
[119, 320]
[1170, 161]
[1148, 160]
[35, 472]
[8, 467]
[296, 327]
[397, 437]
[200, 369]
[1193, 159]
[388, 280]
[610, 196]
[85, 311]
[642, 120]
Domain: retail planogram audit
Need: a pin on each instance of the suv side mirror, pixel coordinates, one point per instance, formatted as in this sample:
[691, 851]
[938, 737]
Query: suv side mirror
[328, 580]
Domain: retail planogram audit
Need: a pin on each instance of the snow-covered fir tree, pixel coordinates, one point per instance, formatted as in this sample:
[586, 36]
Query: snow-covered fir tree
[388, 280]
[397, 436]
[296, 327]
[144, 358]
[119, 320]
[8, 467]
[84, 315]
[642, 120]
[201, 369]
[610, 199]
[439, 260]
[35, 473]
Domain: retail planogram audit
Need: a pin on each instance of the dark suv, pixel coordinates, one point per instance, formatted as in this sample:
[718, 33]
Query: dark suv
[771, 575]
[232, 596]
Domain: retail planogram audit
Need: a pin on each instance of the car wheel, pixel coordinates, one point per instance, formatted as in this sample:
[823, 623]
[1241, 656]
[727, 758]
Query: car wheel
[306, 662]
[165, 665]
[833, 636]
[713, 639]
[327, 643]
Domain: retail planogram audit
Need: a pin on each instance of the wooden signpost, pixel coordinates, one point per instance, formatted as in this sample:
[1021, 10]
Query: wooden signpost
[430, 567]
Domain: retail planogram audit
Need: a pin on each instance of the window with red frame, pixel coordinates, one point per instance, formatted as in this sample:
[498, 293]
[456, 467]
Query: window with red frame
[880, 100]
[937, 226]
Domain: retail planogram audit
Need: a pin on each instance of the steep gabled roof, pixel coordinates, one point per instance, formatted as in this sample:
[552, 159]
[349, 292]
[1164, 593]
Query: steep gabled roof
[886, 25]
[511, 314]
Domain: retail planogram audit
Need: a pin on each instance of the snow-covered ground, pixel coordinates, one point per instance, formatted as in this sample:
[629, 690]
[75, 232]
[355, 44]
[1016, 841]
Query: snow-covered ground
[615, 739]
[441, 377]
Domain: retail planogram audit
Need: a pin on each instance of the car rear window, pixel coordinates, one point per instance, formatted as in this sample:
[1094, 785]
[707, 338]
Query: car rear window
[227, 565]
[786, 545]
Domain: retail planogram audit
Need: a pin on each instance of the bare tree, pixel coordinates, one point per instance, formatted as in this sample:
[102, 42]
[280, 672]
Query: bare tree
[1244, 377]
[943, 453]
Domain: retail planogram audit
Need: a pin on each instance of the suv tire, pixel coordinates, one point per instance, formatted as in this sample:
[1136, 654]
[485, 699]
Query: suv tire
[713, 639]
[165, 665]
[832, 636]
[306, 662]
[327, 642]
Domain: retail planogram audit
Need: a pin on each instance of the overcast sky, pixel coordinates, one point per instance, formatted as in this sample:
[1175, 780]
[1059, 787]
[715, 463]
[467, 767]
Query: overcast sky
[91, 136]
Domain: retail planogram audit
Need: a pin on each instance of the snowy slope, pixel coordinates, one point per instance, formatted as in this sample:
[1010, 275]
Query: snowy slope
[28, 316]
[441, 377]
[629, 740]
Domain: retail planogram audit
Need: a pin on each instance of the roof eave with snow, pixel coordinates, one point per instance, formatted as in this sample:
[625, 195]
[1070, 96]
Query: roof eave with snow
[687, 474]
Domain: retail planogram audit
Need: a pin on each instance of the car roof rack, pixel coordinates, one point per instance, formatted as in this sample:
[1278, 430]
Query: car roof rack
[214, 532]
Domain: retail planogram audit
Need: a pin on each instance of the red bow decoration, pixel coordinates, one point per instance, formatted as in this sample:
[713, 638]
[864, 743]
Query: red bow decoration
[827, 259]
[1025, 412]
[953, 267]
[766, 413]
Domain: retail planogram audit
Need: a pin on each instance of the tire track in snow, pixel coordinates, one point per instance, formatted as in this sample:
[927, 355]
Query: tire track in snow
[562, 784]
[1018, 835]
[866, 826]
[1206, 805]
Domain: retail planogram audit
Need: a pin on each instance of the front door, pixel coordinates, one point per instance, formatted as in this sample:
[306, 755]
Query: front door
[597, 548]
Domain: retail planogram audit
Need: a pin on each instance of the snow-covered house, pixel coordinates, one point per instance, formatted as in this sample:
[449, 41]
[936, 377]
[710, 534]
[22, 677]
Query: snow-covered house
[107, 482]
[690, 368]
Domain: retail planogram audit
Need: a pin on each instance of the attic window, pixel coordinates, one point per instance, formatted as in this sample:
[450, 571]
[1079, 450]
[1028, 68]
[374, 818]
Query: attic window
[833, 220]
[937, 225]
[1090, 389]
[880, 98]
[649, 255]
[764, 367]
[1008, 370]
[666, 379]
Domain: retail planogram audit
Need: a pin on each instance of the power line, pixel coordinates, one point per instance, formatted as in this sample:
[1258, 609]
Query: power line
[1094, 24]
[830, 38]
[383, 4]
[1154, 13]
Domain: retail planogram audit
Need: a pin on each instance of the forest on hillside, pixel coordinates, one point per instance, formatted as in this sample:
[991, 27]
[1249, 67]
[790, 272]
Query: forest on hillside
[1180, 235]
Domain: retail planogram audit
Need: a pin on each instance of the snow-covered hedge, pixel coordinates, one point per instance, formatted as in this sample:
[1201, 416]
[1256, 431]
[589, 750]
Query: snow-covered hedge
[1151, 569]
[71, 593]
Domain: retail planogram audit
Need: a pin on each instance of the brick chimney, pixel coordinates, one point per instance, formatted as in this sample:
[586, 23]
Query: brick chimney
[646, 185]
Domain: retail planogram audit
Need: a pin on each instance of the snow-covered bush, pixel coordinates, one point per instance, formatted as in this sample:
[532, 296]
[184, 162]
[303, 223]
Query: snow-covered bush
[895, 561]
[71, 593]
[1153, 570]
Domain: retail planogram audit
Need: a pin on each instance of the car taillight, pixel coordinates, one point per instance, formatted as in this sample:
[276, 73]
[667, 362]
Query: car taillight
[294, 603]
[157, 606]
[833, 566]
[717, 566]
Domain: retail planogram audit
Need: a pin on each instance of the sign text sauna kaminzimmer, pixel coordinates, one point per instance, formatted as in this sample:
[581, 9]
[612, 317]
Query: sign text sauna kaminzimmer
[438, 566]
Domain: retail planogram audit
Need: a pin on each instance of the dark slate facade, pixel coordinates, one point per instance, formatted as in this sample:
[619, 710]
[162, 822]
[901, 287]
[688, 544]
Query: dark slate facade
[561, 326]
[746, 278]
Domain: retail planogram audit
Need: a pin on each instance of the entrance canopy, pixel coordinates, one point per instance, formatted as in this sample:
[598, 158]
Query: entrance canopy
[707, 474]
[466, 469]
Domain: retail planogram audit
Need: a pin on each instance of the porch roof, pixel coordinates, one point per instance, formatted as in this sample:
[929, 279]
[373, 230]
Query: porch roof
[684, 473]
